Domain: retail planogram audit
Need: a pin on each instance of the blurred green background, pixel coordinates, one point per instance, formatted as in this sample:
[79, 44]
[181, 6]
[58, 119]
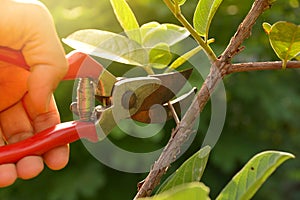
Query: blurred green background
[263, 109]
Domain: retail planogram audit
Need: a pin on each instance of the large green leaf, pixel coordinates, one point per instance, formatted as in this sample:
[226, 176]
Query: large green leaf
[190, 171]
[127, 19]
[204, 14]
[185, 57]
[154, 33]
[160, 56]
[189, 191]
[285, 40]
[108, 45]
[247, 181]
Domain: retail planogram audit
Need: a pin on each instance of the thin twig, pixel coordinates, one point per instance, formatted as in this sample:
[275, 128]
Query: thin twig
[218, 70]
[259, 66]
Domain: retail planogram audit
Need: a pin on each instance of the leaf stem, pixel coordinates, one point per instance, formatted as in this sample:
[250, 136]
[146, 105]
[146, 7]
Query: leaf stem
[177, 13]
[149, 70]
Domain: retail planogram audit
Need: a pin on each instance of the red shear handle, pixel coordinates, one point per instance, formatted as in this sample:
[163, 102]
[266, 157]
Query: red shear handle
[80, 64]
[13, 56]
[48, 139]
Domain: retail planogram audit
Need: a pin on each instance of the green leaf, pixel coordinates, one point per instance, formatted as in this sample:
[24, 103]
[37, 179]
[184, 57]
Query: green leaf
[154, 33]
[108, 45]
[204, 14]
[127, 19]
[267, 27]
[285, 40]
[182, 59]
[190, 171]
[190, 191]
[148, 27]
[247, 181]
[160, 56]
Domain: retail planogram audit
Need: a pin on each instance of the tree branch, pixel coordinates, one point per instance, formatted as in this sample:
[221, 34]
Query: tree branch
[259, 66]
[184, 129]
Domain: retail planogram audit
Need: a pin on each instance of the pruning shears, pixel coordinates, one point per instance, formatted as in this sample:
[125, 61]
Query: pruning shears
[119, 98]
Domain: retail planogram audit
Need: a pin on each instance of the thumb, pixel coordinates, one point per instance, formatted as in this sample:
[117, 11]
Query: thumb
[42, 81]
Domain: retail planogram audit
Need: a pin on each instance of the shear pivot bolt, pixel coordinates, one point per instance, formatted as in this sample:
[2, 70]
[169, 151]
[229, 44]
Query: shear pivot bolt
[129, 99]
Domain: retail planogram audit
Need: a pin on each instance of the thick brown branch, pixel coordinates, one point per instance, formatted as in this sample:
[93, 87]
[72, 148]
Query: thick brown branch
[184, 129]
[258, 66]
[244, 29]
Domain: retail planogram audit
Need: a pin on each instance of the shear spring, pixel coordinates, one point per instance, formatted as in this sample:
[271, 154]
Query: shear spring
[85, 99]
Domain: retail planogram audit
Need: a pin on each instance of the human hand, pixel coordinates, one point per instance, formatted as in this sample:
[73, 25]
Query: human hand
[27, 105]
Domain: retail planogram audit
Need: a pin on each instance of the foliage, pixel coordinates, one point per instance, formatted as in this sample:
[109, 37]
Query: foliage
[242, 186]
[204, 14]
[147, 46]
[191, 191]
[285, 40]
[246, 183]
[263, 108]
[190, 171]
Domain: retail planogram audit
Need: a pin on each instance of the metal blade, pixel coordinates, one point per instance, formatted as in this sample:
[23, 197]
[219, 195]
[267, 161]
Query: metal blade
[171, 84]
[159, 114]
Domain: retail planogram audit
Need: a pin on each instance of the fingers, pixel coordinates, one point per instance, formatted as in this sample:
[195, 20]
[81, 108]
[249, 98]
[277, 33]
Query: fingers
[29, 167]
[12, 85]
[56, 158]
[15, 123]
[8, 172]
[16, 126]
[41, 83]
[42, 121]
[45, 55]
[8, 175]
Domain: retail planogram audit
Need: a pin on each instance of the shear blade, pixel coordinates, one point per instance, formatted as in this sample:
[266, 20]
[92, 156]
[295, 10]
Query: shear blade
[160, 114]
[171, 84]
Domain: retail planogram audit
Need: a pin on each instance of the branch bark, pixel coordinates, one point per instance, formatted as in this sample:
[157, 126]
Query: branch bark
[219, 69]
[259, 66]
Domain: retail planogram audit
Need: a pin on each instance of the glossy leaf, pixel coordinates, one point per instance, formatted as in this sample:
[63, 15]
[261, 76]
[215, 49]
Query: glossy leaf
[267, 27]
[190, 191]
[190, 171]
[247, 181]
[154, 33]
[285, 40]
[148, 27]
[127, 19]
[204, 14]
[182, 59]
[160, 56]
[108, 45]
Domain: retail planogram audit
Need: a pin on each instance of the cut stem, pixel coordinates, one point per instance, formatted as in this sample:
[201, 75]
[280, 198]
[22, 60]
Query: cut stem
[173, 111]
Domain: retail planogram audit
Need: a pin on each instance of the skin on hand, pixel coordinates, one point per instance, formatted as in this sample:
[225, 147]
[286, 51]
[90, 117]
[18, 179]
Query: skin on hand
[27, 105]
